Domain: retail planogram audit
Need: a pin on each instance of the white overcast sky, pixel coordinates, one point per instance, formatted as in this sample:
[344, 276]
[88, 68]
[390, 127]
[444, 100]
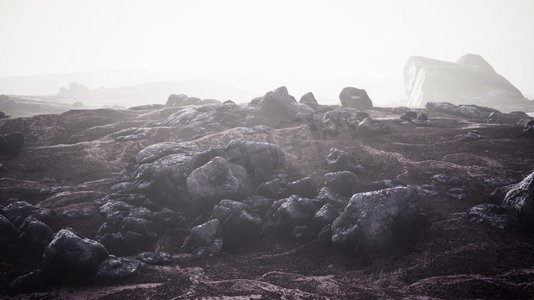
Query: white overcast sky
[246, 41]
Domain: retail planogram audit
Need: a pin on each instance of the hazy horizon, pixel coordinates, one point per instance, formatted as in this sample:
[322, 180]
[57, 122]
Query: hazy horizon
[316, 46]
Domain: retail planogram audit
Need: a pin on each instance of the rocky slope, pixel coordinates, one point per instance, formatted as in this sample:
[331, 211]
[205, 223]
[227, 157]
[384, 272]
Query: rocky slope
[272, 199]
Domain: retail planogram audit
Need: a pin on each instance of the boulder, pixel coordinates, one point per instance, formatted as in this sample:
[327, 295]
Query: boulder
[237, 221]
[308, 99]
[374, 221]
[520, 198]
[72, 258]
[35, 235]
[370, 127]
[343, 183]
[116, 268]
[325, 195]
[176, 100]
[304, 187]
[280, 107]
[204, 239]
[287, 213]
[260, 160]
[17, 211]
[355, 98]
[339, 160]
[470, 80]
[216, 180]
[270, 189]
[325, 216]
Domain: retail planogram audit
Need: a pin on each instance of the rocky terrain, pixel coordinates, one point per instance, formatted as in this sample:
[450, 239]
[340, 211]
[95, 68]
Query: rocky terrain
[273, 199]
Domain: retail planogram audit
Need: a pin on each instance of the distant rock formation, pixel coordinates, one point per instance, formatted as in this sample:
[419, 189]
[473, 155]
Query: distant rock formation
[355, 98]
[470, 80]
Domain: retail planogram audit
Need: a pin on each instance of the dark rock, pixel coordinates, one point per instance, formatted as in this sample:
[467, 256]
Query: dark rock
[520, 198]
[140, 226]
[116, 268]
[279, 107]
[287, 213]
[339, 160]
[409, 116]
[216, 180]
[259, 204]
[3, 115]
[355, 98]
[308, 99]
[116, 243]
[325, 216]
[176, 100]
[492, 215]
[17, 211]
[8, 232]
[34, 281]
[369, 127]
[260, 160]
[270, 189]
[469, 111]
[35, 235]
[11, 143]
[304, 187]
[155, 258]
[422, 117]
[325, 196]
[374, 221]
[237, 221]
[325, 235]
[343, 183]
[456, 193]
[205, 239]
[72, 258]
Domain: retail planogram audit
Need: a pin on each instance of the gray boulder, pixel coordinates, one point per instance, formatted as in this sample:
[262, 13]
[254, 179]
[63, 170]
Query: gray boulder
[35, 235]
[528, 130]
[304, 187]
[355, 98]
[308, 99]
[370, 127]
[287, 213]
[343, 183]
[280, 107]
[237, 221]
[216, 180]
[374, 221]
[339, 160]
[72, 258]
[176, 100]
[204, 239]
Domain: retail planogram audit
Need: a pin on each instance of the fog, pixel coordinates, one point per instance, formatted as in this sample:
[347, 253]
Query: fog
[319, 46]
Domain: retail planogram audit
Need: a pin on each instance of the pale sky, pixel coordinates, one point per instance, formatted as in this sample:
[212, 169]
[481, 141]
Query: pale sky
[319, 46]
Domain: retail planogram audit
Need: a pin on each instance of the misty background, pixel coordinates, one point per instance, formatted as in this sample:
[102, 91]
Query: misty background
[141, 51]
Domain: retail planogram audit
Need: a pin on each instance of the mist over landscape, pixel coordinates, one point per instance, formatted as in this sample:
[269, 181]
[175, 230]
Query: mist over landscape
[254, 149]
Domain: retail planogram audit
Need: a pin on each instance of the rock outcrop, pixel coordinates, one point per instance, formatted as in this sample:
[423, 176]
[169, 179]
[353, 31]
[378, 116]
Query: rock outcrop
[470, 80]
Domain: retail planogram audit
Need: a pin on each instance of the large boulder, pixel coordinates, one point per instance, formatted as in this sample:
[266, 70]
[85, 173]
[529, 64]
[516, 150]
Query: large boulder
[237, 221]
[374, 221]
[343, 183]
[35, 235]
[72, 258]
[520, 198]
[308, 99]
[280, 107]
[288, 213]
[355, 98]
[470, 80]
[260, 160]
[204, 239]
[216, 180]
[339, 160]
[176, 100]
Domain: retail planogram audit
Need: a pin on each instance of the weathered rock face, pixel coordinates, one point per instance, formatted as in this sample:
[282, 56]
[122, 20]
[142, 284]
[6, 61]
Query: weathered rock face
[355, 98]
[470, 80]
[70, 258]
[520, 199]
[373, 221]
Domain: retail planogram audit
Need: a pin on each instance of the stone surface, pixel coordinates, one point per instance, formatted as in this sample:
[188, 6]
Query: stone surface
[355, 98]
